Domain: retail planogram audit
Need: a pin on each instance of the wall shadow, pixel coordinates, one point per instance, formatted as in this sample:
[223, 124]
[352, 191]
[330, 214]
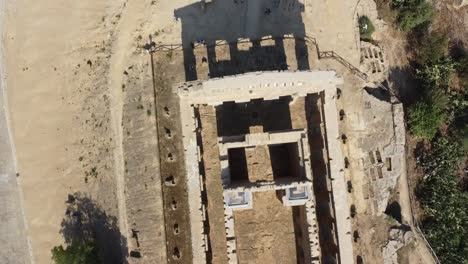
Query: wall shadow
[321, 180]
[301, 235]
[236, 118]
[379, 93]
[394, 210]
[232, 20]
[86, 221]
[403, 82]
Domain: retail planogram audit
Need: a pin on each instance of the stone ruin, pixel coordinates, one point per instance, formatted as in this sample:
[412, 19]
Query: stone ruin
[222, 180]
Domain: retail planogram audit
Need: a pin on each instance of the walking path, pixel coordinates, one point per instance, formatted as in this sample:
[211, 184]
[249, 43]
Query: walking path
[13, 236]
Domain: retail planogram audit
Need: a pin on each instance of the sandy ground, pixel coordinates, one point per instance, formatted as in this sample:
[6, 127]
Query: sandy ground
[60, 122]
[65, 63]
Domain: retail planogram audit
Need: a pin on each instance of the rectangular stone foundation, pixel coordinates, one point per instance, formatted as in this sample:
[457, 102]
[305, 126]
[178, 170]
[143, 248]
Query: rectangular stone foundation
[207, 165]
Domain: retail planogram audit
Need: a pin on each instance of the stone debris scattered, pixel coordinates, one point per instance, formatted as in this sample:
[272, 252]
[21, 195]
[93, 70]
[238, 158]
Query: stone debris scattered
[398, 238]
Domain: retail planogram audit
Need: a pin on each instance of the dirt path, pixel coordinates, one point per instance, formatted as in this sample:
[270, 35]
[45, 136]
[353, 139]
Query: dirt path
[132, 19]
[120, 50]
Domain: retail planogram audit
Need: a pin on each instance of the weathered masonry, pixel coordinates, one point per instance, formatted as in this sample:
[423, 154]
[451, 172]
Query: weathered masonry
[251, 145]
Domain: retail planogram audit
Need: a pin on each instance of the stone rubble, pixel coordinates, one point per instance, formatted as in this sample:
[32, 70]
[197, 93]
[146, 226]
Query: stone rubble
[398, 238]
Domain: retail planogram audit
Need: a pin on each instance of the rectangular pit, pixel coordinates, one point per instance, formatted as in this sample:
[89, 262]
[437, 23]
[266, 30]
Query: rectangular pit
[238, 165]
[236, 118]
[285, 160]
[267, 232]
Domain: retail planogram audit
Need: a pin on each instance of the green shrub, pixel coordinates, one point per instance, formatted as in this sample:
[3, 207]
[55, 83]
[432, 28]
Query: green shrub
[430, 47]
[412, 13]
[462, 68]
[438, 73]
[457, 111]
[366, 28]
[464, 134]
[426, 116]
[444, 203]
[76, 253]
[391, 220]
[424, 120]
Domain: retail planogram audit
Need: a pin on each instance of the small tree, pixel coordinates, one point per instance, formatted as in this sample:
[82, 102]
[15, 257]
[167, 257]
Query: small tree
[437, 74]
[76, 253]
[426, 116]
[424, 120]
[366, 28]
[430, 47]
[91, 236]
[412, 13]
[462, 68]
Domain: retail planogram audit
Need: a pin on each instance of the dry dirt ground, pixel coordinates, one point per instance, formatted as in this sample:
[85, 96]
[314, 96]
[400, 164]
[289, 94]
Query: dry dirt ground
[451, 19]
[274, 240]
[65, 71]
[213, 184]
[61, 111]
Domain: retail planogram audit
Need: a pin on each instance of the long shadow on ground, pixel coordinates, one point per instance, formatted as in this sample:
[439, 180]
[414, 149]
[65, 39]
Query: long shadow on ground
[86, 221]
[232, 20]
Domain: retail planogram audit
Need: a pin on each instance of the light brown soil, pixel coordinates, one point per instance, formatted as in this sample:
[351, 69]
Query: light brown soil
[259, 164]
[65, 65]
[451, 21]
[414, 253]
[142, 177]
[273, 240]
[61, 111]
[213, 185]
[373, 235]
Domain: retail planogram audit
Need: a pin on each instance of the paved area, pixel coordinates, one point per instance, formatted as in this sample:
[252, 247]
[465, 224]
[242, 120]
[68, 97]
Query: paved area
[14, 247]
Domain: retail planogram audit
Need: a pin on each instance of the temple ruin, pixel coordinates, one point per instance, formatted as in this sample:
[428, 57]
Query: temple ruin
[255, 146]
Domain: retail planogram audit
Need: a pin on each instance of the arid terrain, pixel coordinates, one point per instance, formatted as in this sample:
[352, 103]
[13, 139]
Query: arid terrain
[87, 124]
[62, 60]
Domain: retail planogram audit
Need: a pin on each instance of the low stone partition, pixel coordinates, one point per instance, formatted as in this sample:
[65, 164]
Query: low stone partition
[298, 136]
